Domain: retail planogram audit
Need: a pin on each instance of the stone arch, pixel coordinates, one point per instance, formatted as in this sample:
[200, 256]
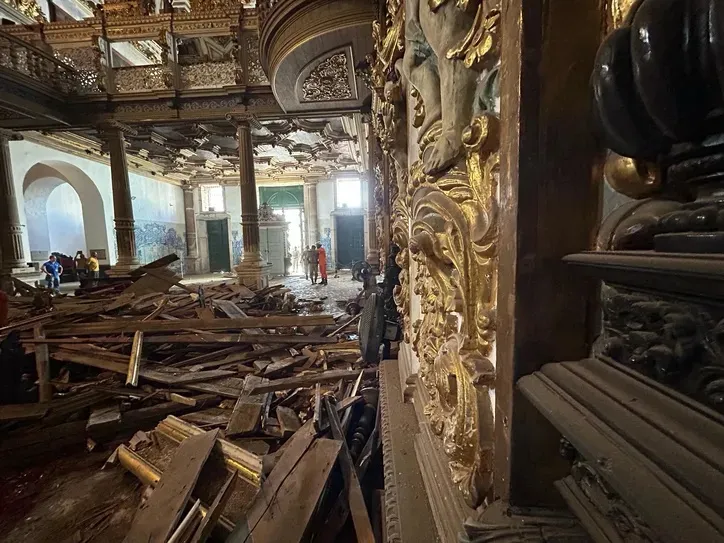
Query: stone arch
[46, 176]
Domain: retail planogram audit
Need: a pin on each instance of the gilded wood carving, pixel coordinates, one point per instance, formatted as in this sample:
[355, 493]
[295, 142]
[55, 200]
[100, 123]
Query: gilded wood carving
[444, 211]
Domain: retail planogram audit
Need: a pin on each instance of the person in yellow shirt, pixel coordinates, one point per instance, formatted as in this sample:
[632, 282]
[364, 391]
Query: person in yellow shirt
[93, 268]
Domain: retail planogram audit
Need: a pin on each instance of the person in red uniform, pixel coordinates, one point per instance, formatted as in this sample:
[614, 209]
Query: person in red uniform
[322, 263]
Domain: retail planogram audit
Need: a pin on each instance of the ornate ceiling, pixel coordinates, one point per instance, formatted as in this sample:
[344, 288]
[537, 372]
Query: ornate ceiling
[289, 150]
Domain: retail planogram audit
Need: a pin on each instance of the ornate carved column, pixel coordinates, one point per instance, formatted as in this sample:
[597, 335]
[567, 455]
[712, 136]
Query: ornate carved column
[11, 231]
[115, 142]
[252, 271]
[192, 249]
[373, 252]
[310, 211]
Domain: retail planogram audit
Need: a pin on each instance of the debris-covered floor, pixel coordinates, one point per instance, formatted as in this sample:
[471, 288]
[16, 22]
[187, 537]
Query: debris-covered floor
[166, 407]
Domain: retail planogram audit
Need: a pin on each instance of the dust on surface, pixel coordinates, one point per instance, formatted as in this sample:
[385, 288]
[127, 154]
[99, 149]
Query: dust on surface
[69, 499]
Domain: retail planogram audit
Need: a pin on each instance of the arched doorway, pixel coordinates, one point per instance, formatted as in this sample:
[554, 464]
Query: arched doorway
[64, 211]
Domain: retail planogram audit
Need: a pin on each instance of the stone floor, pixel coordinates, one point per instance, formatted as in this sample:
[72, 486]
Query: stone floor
[340, 288]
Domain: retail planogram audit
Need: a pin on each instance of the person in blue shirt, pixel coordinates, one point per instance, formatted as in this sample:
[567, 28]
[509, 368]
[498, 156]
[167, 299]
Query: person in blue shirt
[53, 270]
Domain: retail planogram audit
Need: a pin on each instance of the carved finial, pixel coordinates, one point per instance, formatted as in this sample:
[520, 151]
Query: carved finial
[658, 79]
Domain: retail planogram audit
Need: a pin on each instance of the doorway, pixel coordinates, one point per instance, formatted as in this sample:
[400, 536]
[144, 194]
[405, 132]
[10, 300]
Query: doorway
[217, 232]
[350, 240]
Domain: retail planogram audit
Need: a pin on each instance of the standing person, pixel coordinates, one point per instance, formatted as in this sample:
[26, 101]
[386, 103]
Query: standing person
[93, 269]
[53, 270]
[312, 261]
[322, 257]
[303, 260]
[295, 259]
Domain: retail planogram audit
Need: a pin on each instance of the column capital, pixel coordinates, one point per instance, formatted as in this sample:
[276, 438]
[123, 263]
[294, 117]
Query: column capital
[9, 135]
[112, 128]
[244, 120]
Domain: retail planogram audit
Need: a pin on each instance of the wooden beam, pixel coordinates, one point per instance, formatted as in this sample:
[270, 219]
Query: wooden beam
[311, 379]
[195, 339]
[249, 408]
[152, 373]
[119, 326]
[286, 489]
[157, 517]
[135, 360]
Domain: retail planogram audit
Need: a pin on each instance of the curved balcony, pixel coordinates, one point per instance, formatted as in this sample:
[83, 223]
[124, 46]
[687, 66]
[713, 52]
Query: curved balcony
[309, 49]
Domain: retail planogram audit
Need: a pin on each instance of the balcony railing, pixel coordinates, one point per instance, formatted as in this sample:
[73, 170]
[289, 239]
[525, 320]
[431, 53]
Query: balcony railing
[41, 66]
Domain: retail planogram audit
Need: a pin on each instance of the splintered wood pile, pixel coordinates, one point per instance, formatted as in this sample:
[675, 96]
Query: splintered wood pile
[250, 421]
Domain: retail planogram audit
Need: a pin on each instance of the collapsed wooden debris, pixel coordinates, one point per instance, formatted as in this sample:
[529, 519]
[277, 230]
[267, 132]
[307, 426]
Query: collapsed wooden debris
[276, 398]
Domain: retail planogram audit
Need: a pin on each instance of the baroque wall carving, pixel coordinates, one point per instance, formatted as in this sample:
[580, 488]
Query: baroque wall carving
[208, 75]
[142, 78]
[442, 56]
[329, 80]
[255, 73]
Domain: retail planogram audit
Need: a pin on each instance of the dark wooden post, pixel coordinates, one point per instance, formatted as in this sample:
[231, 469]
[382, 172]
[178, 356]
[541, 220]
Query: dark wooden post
[549, 208]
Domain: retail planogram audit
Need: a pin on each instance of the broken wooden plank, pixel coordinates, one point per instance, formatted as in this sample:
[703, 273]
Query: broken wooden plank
[203, 531]
[134, 363]
[246, 417]
[213, 416]
[23, 411]
[353, 490]
[275, 368]
[101, 417]
[310, 379]
[277, 341]
[156, 312]
[158, 263]
[183, 378]
[229, 308]
[205, 313]
[158, 516]
[282, 510]
[118, 326]
[220, 388]
[42, 366]
[288, 421]
[155, 373]
[92, 360]
[178, 398]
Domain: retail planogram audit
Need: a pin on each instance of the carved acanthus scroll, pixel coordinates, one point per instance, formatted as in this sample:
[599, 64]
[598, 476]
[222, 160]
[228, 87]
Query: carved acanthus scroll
[444, 211]
[454, 243]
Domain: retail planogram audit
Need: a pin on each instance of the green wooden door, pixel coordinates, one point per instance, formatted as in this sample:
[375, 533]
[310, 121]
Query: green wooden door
[350, 240]
[218, 239]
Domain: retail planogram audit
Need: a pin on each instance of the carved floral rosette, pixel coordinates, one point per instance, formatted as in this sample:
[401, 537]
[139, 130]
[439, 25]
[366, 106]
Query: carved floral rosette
[454, 244]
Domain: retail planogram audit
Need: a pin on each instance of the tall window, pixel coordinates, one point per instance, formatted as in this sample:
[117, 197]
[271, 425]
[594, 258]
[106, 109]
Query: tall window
[349, 192]
[212, 198]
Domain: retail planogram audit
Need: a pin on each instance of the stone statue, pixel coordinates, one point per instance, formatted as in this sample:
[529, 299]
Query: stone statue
[447, 87]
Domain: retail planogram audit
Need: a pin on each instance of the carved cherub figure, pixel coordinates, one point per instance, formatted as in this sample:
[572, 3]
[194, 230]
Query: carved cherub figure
[447, 86]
